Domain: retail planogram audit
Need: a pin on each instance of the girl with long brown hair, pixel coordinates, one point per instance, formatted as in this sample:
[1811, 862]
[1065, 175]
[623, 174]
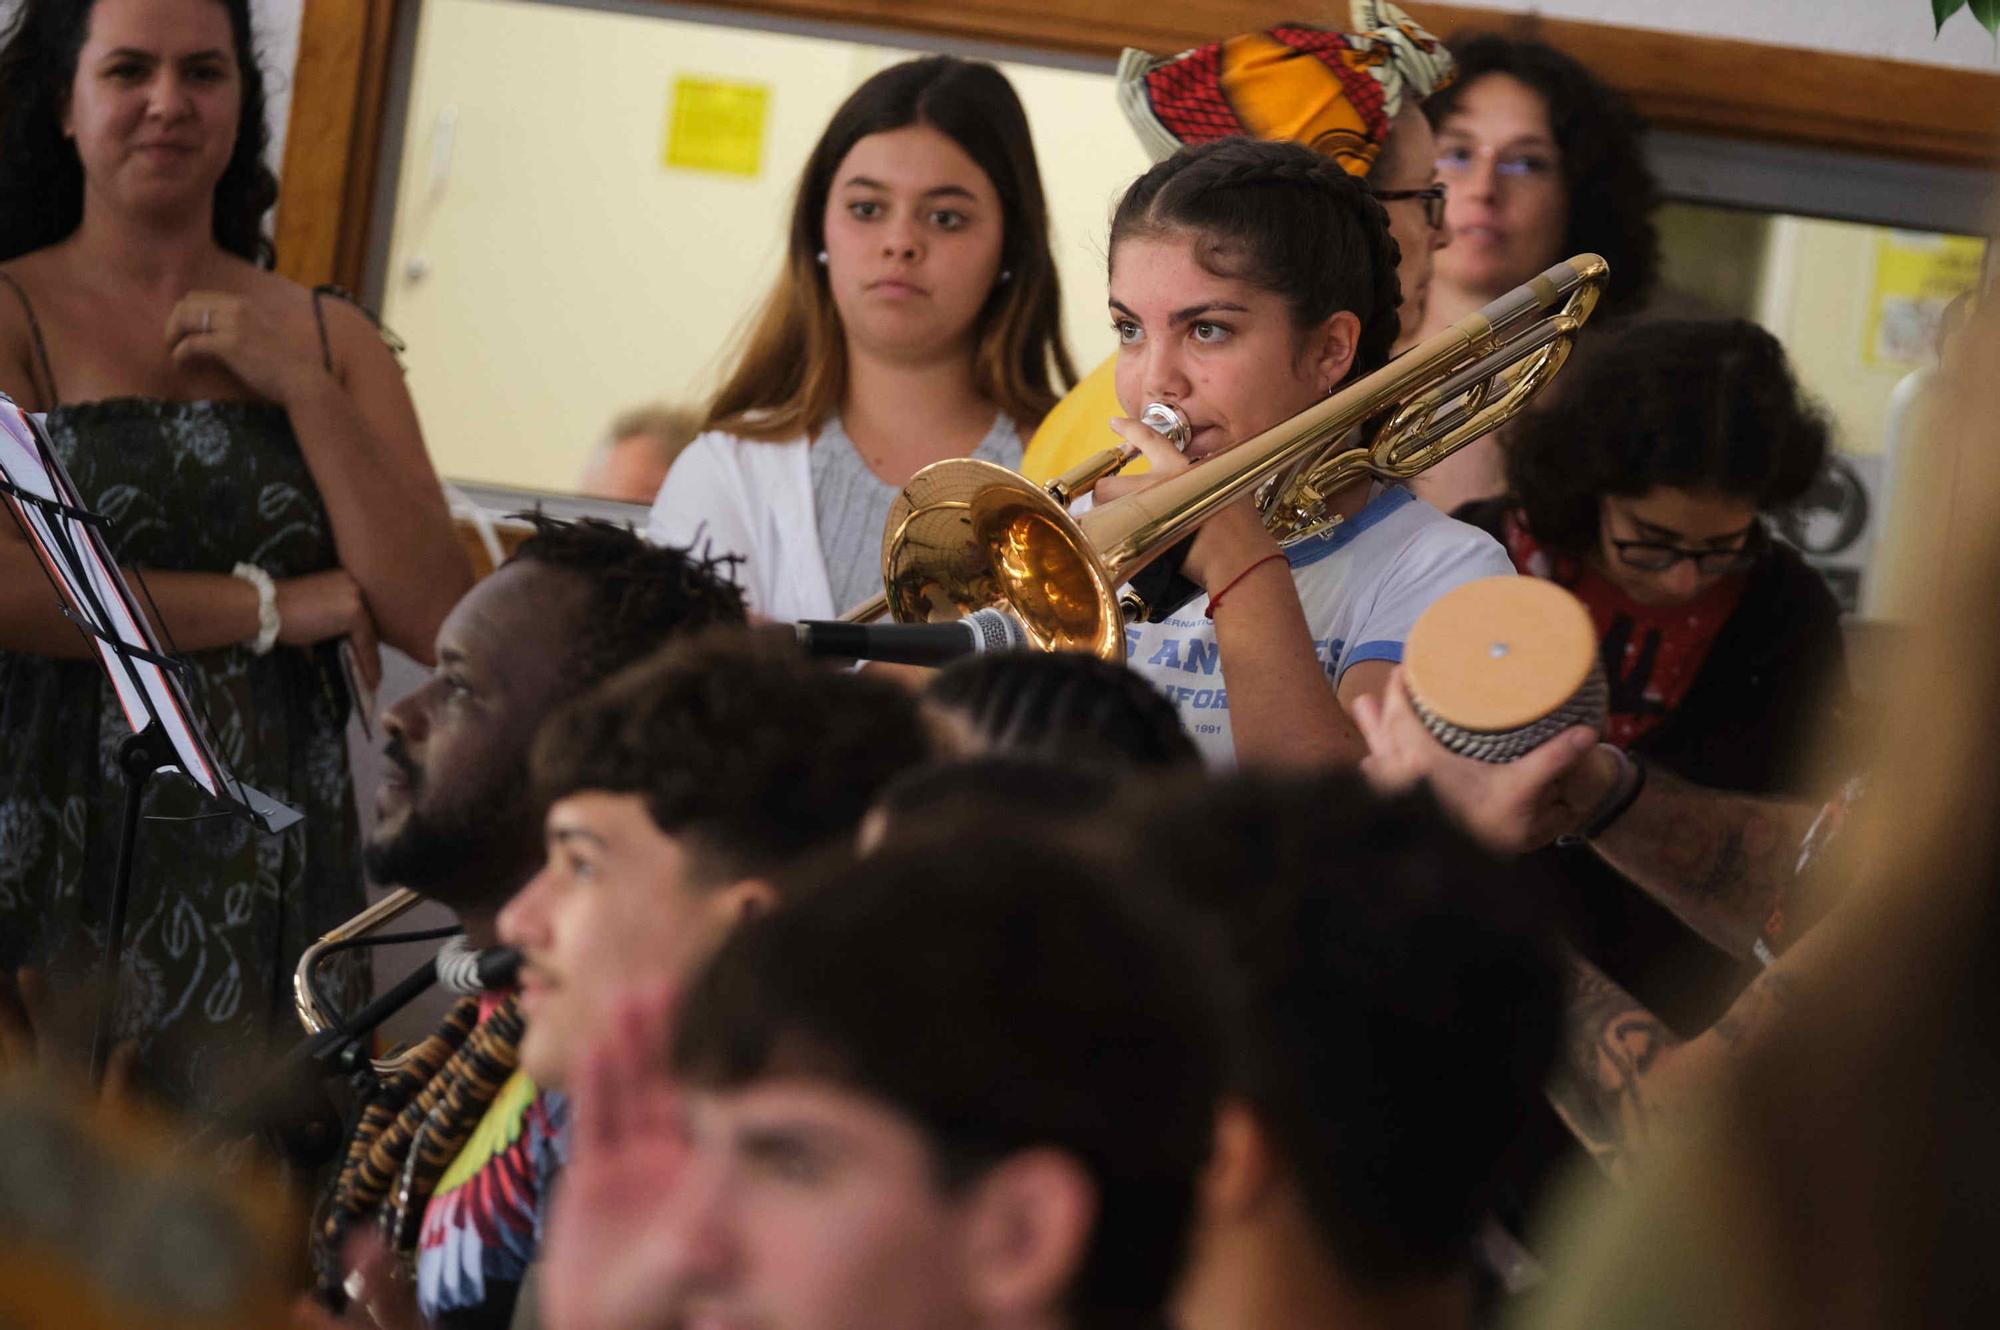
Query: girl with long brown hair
[917, 318]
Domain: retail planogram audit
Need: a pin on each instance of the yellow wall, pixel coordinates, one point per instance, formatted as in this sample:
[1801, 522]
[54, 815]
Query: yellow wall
[1816, 302]
[567, 273]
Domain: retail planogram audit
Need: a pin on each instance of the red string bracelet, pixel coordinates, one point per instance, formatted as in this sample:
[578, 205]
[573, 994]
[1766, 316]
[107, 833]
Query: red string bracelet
[1215, 597]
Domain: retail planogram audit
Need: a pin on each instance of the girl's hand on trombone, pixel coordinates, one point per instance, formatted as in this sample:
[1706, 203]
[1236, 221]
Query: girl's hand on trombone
[1227, 545]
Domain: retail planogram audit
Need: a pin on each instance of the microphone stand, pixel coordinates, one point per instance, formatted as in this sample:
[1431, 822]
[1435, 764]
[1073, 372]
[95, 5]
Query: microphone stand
[339, 1050]
[342, 1048]
[140, 755]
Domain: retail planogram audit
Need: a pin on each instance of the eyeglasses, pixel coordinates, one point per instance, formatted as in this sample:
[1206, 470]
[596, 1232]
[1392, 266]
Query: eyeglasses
[1432, 195]
[1518, 164]
[1652, 556]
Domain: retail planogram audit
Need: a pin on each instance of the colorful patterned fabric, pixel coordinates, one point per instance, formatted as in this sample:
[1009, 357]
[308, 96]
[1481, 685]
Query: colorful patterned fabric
[414, 1127]
[483, 1224]
[1335, 92]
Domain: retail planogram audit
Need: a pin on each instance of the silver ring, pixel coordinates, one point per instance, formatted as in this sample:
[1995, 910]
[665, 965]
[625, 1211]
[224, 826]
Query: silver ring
[206, 315]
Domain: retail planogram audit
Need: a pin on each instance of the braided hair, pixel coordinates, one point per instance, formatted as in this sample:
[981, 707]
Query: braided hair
[1066, 707]
[41, 176]
[640, 594]
[1283, 218]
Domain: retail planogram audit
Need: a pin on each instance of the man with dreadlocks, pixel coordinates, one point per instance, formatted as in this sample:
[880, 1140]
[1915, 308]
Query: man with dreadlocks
[454, 1153]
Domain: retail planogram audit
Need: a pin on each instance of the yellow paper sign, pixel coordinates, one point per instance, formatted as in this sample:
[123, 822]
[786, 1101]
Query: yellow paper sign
[717, 125]
[1916, 275]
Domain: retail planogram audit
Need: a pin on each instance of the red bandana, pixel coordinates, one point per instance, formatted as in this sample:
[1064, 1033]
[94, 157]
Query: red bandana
[1651, 653]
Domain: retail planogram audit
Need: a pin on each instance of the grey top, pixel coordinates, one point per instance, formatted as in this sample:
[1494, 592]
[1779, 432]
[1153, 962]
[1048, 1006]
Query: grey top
[851, 505]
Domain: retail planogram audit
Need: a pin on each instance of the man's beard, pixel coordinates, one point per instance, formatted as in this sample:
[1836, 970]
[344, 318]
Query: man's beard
[475, 852]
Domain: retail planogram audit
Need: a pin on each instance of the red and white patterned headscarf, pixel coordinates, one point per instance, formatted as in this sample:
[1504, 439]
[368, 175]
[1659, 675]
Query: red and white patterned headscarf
[1335, 92]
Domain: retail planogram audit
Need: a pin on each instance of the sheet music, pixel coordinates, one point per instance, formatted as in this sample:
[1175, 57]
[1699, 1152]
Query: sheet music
[66, 548]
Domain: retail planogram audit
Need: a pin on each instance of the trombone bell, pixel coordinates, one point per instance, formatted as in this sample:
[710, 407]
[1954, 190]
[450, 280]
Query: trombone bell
[969, 534]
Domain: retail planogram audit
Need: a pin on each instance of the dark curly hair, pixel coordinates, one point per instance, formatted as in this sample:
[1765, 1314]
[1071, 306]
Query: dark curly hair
[1611, 191]
[640, 594]
[1065, 706]
[1283, 218]
[747, 751]
[41, 177]
[1397, 1002]
[1695, 404]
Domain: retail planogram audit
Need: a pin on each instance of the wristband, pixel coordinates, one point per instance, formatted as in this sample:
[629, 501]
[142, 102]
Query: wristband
[1631, 780]
[1215, 597]
[267, 607]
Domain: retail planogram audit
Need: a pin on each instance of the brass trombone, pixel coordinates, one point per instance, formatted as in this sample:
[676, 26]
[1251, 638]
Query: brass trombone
[313, 1016]
[966, 534]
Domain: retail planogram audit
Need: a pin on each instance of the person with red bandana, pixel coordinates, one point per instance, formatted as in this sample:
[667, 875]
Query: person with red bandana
[1643, 488]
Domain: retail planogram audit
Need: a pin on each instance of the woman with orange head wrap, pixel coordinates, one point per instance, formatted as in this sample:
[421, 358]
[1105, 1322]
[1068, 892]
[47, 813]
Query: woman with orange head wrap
[1353, 96]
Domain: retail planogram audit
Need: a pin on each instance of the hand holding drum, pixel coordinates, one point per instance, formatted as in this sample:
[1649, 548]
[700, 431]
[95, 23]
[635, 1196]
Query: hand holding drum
[1497, 707]
[1497, 667]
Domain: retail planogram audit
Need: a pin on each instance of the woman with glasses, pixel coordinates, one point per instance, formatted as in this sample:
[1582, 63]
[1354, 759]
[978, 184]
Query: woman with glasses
[1643, 488]
[1542, 161]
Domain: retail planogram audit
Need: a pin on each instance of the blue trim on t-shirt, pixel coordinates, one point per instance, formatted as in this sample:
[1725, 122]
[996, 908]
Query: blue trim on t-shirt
[1378, 650]
[1308, 552]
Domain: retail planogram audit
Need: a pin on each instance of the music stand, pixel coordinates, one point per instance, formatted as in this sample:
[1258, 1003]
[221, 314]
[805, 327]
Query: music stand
[167, 731]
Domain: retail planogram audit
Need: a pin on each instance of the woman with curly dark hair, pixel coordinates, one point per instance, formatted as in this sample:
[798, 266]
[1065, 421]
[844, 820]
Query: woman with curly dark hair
[1542, 161]
[254, 450]
[1643, 488]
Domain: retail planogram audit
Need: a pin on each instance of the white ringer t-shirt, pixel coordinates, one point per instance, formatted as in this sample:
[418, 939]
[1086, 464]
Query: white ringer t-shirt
[1362, 586]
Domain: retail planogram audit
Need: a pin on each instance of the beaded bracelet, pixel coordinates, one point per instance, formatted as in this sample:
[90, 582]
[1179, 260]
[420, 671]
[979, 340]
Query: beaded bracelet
[267, 607]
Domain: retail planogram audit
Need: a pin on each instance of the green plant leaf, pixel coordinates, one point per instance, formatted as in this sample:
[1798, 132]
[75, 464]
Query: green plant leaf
[1944, 9]
[1988, 14]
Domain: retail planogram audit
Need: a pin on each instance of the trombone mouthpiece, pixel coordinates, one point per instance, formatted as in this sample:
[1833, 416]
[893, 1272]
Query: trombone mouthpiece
[1168, 421]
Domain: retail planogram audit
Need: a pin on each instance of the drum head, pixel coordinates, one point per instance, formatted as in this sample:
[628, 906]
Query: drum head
[1500, 654]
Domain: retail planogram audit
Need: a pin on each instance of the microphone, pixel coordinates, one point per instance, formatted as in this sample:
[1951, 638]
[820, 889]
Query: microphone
[914, 643]
[498, 967]
[461, 969]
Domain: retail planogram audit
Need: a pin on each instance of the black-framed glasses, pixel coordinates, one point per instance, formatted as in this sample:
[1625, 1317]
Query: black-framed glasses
[1432, 195]
[1653, 556]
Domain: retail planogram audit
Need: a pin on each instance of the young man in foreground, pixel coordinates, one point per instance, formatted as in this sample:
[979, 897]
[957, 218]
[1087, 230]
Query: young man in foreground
[963, 1086]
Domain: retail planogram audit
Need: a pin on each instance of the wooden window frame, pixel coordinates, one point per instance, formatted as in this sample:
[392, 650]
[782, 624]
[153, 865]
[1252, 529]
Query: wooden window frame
[1680, 82]
[333, 140]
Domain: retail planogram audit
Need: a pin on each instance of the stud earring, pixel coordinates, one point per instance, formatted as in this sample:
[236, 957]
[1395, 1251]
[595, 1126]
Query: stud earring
[1006, 276]
[822, 258]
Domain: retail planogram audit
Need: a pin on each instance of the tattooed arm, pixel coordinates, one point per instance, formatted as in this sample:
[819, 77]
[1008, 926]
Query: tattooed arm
[1624, 1078]
[1719, 861]
[1606, 1083]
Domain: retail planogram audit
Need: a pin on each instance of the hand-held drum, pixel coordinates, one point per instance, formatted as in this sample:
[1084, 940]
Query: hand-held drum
[1499, 666]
